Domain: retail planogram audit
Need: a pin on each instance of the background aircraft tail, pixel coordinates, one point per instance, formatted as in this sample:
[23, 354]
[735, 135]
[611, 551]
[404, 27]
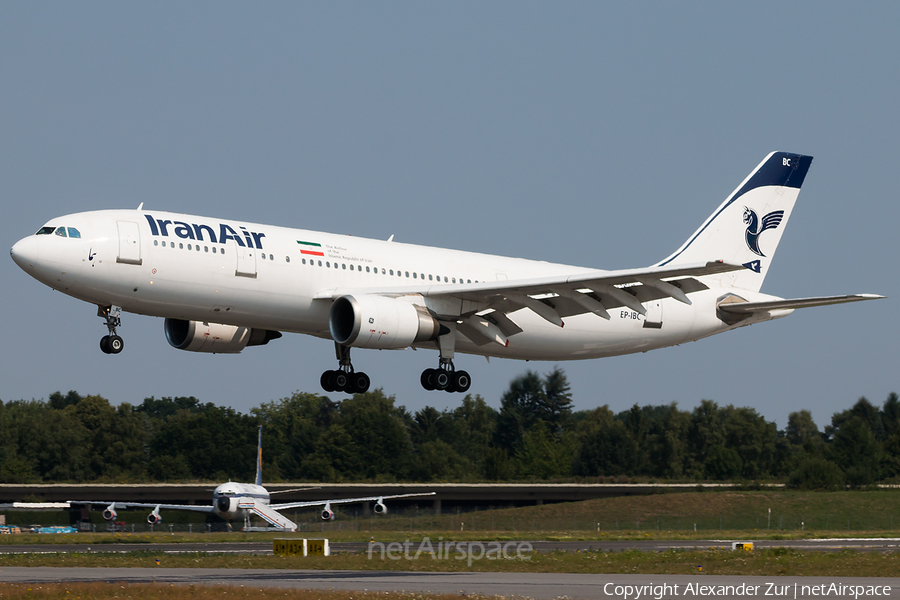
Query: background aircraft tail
[747, 227]
[259, 458]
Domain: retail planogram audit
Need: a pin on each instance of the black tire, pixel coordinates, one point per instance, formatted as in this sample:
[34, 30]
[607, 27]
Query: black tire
[341, 382]
[441, 379]
[360, 383]
[104, 344]
[461, 382]
[116, 344]
[327, 381]
[426, 379]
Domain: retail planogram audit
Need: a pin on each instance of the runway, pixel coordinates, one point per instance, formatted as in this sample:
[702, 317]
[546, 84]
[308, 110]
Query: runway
[540, 586]
[263, 548]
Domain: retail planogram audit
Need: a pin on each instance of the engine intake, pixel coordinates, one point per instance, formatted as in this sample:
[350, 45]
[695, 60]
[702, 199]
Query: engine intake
[199, 336]
[369, 321]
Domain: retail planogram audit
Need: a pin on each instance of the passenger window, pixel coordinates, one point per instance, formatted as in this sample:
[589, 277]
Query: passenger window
[429, 278]
[205, 248]
[454, 280]
[288, 259]
[392, 271]
[367, 269]
[61, 231]
[344, 266]
[302, 259]
[351, 267]
[45, 231]
[445, 279]
[414, 275]
[197, 247]
[264, 255]
[214, 249]
[407, 273]
[320, 263]
[74, 233]
[190, 247]
[156, 242]
[164, 243]
[221, 250]
[382, 272]
[327, 264]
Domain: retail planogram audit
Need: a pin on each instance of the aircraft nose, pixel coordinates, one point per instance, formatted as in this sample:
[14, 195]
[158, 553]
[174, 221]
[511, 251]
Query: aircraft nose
[25, 253]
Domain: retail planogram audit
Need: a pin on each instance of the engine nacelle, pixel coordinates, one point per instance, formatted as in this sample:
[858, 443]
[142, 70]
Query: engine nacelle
[380, 508]
[370, 321]
[110, 513]
[327, 513]
[198, 336]
[154, 518]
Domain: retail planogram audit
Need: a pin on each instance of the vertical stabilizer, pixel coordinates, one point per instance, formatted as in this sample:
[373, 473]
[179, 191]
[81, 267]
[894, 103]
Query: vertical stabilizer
[259, 458]
[747, 227]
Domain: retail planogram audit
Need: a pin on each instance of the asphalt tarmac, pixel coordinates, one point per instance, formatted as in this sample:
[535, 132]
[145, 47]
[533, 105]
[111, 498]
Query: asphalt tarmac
[532, 585]
[263, 548]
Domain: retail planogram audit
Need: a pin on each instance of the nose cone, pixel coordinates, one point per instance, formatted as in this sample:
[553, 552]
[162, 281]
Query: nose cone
[25, 253]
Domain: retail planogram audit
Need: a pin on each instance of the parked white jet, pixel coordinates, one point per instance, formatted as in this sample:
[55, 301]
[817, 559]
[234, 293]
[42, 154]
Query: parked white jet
[233, 500]
[224, 285]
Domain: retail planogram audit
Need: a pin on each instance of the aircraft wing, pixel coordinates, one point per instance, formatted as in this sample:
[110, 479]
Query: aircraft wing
[481, 309]
[744, 308]
[128, 505]
[308, 503]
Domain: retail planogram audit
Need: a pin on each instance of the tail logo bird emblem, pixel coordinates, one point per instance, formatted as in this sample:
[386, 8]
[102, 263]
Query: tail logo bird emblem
[755, 227]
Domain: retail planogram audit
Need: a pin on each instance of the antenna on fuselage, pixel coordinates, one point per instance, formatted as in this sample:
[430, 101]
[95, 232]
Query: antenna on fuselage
[140, 206]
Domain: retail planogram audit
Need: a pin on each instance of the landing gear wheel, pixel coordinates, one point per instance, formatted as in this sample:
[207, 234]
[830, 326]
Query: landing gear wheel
[341, 381]
[461, 381]
[327, 381]
[104, 344]
[441, 379]
[359, 383]
[426, 379]
[115, 344]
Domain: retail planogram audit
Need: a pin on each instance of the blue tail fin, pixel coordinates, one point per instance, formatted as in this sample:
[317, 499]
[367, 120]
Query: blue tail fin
[259, 458]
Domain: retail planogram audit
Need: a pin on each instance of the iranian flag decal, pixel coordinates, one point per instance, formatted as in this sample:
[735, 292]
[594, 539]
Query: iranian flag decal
[311, 248]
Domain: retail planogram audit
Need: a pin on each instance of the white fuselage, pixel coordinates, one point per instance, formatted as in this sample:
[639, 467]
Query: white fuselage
[268, 277]
[232, 500]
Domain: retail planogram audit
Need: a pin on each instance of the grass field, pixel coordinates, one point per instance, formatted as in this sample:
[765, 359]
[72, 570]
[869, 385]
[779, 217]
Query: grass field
[101, 591]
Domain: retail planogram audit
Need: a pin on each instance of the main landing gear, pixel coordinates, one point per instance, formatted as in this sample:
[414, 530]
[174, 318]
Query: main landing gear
[112, 343]
[344, 379]
[446, 378]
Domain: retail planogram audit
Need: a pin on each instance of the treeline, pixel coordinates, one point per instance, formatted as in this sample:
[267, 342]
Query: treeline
[534, 436]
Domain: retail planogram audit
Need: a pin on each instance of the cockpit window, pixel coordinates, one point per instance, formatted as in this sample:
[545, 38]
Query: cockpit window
[73, 233]
[61, 231]
[45, 230]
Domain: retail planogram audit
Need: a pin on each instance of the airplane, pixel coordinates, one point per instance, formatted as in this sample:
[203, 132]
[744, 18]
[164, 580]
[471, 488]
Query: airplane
[224, 285]
[232, 500]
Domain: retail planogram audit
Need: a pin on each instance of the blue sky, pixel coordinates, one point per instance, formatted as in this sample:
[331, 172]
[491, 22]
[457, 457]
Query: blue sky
[594, 134]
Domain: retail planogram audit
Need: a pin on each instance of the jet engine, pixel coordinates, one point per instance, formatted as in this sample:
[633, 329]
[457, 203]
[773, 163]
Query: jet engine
[327, 513]
[199, 336]
[154, 518]
[370, 321]
[380, 508]
[110, 513]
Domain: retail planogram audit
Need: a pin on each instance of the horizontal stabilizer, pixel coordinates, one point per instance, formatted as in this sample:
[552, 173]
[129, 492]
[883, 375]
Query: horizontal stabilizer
[743, 308]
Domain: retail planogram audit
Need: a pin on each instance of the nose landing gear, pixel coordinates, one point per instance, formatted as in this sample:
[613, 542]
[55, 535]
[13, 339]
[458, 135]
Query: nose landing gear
[112, 343]
[344, 379]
